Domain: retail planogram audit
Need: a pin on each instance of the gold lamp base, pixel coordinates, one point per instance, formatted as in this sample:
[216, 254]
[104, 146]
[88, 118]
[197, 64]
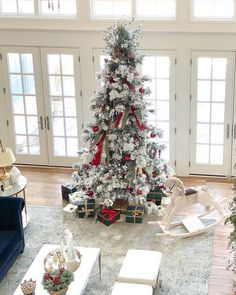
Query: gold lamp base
[5, 174]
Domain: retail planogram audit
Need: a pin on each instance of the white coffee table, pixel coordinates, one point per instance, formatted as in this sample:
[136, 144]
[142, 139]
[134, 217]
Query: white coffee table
[81, 276]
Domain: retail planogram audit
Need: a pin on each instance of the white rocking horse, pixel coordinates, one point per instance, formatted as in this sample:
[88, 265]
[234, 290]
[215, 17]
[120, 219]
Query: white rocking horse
[181, 198]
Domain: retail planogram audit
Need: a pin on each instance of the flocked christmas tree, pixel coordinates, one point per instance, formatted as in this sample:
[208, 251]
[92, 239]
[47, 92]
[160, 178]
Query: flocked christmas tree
[124, 156]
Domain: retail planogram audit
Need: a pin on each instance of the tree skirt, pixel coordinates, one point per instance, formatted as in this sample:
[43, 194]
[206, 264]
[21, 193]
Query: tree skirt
[185, 266]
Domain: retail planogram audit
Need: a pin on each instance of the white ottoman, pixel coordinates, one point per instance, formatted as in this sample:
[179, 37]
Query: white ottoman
[131, 289]
[141, 267]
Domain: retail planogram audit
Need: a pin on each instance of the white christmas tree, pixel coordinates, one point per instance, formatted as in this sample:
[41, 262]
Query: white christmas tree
[124, 156]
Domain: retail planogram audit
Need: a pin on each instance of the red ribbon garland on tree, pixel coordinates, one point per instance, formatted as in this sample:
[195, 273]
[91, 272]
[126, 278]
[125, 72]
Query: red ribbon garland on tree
[98, 156]
[141, 126]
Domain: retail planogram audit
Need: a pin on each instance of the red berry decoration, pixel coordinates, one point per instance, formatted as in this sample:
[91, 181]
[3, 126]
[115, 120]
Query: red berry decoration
[95, 128]
[56, 280]
[89, 193]
[141, 90]
[127, 158]
[153, 135]
[139, 191]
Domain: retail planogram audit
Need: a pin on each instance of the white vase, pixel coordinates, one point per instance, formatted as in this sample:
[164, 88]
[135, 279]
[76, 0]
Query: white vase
[14, 173]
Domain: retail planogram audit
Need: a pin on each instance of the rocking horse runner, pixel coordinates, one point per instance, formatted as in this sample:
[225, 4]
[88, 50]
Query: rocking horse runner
[180, 199]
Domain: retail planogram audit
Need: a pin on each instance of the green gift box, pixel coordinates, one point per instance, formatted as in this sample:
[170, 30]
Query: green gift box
[134, 214]
[108, 216]
[155, 196]
[87, 209]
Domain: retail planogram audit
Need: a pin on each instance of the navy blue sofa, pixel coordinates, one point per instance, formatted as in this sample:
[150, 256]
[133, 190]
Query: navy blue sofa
[12, 241]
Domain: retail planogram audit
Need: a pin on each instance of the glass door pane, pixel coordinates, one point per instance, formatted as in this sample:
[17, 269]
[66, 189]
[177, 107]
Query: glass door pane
[212, 100]
[25, 109]
[63, 117]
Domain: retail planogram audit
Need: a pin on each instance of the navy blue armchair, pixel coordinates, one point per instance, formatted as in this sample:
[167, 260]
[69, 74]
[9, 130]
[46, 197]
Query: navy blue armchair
[12, 241]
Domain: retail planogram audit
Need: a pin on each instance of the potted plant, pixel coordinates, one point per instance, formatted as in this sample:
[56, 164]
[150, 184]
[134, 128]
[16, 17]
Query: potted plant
[232, 241]
[57, 281]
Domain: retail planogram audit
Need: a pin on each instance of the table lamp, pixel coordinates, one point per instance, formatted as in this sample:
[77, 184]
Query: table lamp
[6, 159]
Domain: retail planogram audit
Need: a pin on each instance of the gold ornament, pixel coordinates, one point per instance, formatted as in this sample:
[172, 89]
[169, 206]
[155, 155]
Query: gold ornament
[28, 287]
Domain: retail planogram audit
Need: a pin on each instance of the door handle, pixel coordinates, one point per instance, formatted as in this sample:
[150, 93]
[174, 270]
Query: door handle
[41, 122]
[48, 125]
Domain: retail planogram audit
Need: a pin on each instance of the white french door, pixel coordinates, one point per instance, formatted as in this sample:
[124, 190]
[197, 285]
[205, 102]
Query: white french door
[62, 104]
[44, 114]
[212, 89]
[25, 106]
[160, 66]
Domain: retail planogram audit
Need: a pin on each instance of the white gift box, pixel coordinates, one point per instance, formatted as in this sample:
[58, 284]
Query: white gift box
[69, 212]
[75, 200]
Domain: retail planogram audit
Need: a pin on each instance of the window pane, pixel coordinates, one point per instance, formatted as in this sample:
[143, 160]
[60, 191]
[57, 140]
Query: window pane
[162, 110]
[204, 68]
[213, 8]
[165, 127]
[156, 8]
[202, 154]
[217, 112]
[18, 104]
[54, 64]
[148, 66]
[203, 133]
[203, 112]
[58, 127]
[72, 147]
[27, 63]
[219, 68]
[70, 106]
[31, 105]
[68, 86]
[67, 63]
[19, 124]
[216, 156]
[163, 89]
[16, 85]
[203, 90]
[8, 6]
[26, 6]
[14, 62]
[218, 90]
[34, 146]
[217, 134]
[29, 87]
[56, 106]
[21, 145]
[162, 67]
[55, 85]
[65, 7]
[59, 146]
[71, 127]
[107, 8]
[32, 125]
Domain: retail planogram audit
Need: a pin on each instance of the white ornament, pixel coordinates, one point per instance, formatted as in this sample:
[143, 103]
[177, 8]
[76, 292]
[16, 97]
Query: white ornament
[14, 173]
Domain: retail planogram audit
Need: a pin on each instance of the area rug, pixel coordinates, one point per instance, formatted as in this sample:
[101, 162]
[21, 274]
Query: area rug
[185, 267]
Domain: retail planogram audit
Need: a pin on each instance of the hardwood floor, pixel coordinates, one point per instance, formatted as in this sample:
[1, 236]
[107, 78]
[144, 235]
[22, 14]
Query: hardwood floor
[44, 188]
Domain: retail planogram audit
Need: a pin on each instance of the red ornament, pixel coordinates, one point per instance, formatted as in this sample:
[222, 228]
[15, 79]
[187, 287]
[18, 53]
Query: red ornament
[141, 90]
[89, 193]
[153, 135]
[95, 128]
[56, 280]
[127, 158]
[139, 191]
[129, 188]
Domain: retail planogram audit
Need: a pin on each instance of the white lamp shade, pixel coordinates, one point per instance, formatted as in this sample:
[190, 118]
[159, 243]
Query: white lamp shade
[7, 158]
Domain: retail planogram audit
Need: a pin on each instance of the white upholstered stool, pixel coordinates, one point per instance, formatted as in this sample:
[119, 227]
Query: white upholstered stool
[131, 289]
[141, 267]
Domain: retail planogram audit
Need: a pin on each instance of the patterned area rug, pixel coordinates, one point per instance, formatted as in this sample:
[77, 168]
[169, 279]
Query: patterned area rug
[185, 265]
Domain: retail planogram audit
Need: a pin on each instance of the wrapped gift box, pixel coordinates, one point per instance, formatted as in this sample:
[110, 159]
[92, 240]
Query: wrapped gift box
[69, 212]
[134, 214]
[66, 189]
[155, 196]
[108, 216]
[121, 205]
[87, 210]
[76, 201]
